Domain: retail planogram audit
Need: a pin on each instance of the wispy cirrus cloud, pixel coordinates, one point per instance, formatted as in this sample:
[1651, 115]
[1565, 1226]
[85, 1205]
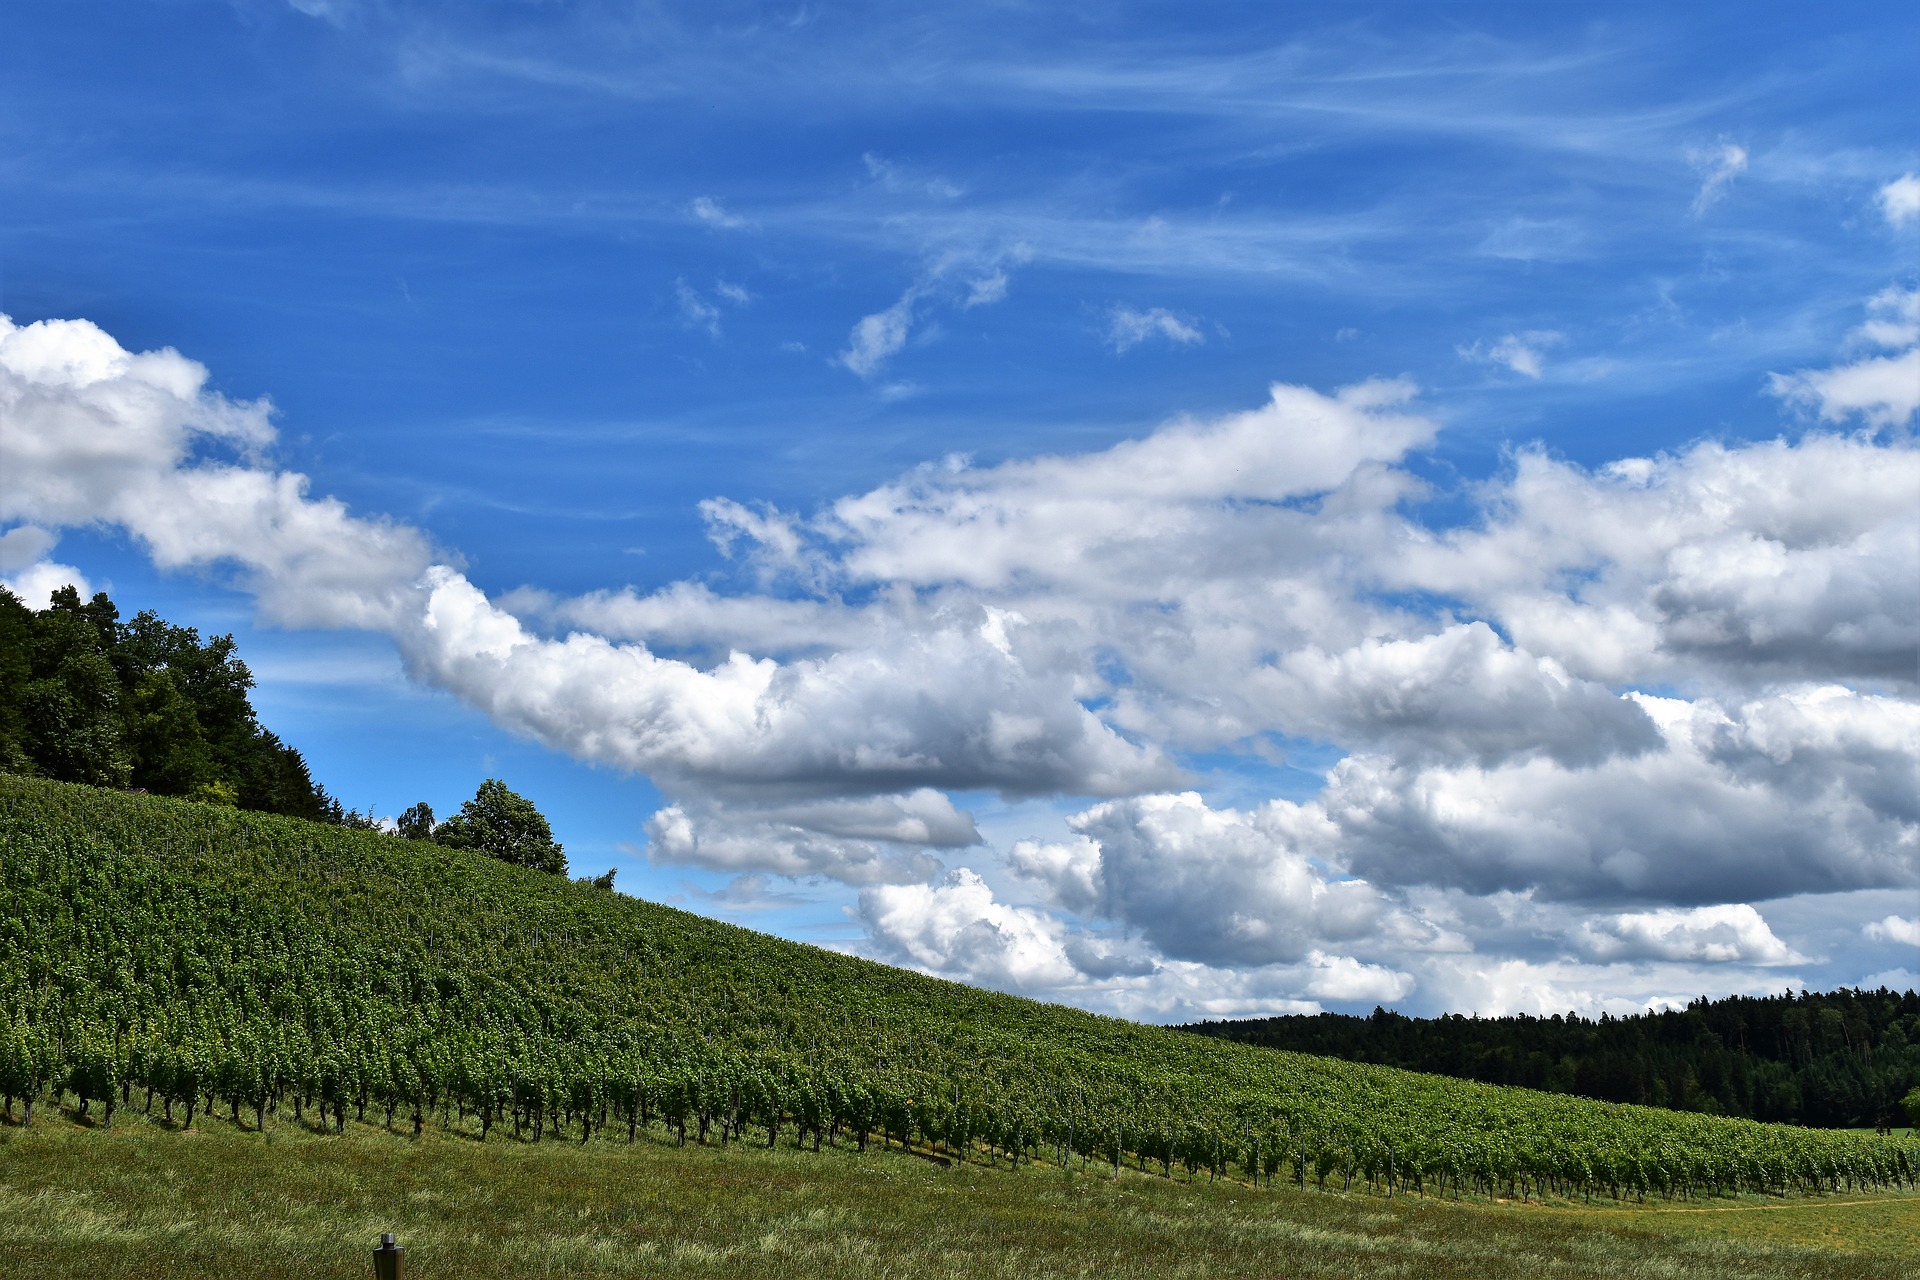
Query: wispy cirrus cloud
[984, 291]
[897, 179]
[711, 212]
[1128, 328]
[1721, 164]
[878, 337]
[966, 280]
[1523, 353]
[697, 311]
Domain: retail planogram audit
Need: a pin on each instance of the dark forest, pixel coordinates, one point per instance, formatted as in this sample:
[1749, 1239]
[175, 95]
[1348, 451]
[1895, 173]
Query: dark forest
[1839, 1059]
[141, 705]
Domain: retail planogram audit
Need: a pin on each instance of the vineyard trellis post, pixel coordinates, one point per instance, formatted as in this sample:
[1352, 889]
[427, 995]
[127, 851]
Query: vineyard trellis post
[390, 1259]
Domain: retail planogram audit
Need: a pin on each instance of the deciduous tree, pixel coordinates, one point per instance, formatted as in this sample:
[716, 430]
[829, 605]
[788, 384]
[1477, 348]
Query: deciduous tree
[505, 824]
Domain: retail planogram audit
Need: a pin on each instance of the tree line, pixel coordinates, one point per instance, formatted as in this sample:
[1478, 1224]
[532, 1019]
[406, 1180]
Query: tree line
[145, 705]
[141, 704]
[1833, 1059]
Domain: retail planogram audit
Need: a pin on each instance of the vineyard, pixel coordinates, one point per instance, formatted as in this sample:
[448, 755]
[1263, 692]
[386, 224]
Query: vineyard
[189, 960]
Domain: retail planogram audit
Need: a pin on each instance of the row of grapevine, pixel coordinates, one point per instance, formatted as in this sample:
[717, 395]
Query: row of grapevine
[187, 960]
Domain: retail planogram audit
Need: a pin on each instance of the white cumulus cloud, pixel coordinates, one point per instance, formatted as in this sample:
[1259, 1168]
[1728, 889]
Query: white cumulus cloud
[94, 433]
[1808, 791]
[872, 840]
[1882, 390]
[1220, 886]
[1619, 709]
[1900, 200]
[35, 584]
[1733, 932]
[1895, 929]
[956, 927]
[25, 570]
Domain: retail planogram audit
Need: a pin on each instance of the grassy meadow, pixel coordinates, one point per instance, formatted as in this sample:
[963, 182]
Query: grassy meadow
[148, 1200]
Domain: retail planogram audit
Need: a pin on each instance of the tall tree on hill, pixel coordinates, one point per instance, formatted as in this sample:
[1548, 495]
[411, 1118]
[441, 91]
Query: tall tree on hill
[507, 826]
[416, 823]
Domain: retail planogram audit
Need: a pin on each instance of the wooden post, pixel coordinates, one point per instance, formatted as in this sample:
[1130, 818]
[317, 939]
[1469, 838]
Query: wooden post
[389, 1260]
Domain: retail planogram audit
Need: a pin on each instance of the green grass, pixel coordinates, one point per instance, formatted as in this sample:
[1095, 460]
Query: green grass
[145, 1200]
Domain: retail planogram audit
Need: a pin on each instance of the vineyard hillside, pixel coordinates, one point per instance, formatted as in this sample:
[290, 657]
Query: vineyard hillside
[184, 957]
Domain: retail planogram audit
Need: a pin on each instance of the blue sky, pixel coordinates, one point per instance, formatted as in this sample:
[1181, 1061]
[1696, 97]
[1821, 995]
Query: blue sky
[535, 281]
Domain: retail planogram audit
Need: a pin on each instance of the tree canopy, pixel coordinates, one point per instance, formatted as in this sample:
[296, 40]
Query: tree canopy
[86, 697]
[416, 823]
[1839, 1058]
[502, 823]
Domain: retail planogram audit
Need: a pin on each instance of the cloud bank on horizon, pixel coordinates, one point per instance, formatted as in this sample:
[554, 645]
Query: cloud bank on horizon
[1601, 717]
[1140, 663]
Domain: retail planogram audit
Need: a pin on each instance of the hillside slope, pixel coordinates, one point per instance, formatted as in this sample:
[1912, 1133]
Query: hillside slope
[215, 956]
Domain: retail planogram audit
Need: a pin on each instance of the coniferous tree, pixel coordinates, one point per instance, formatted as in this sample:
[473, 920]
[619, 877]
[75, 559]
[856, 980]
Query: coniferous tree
[1839, 1058]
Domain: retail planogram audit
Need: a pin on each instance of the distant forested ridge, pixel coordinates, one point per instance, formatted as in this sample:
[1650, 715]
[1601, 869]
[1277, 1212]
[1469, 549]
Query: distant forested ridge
[142, 705]
[1836, 1059]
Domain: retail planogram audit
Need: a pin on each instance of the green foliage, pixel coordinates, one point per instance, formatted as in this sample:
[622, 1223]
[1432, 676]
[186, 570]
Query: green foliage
[16, 672]
[85, 697]
[1911, 1105]
[221, 793]
[72, 713]
[503, 824]
[1837, 1059]
[416, 823]
[219, 954]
